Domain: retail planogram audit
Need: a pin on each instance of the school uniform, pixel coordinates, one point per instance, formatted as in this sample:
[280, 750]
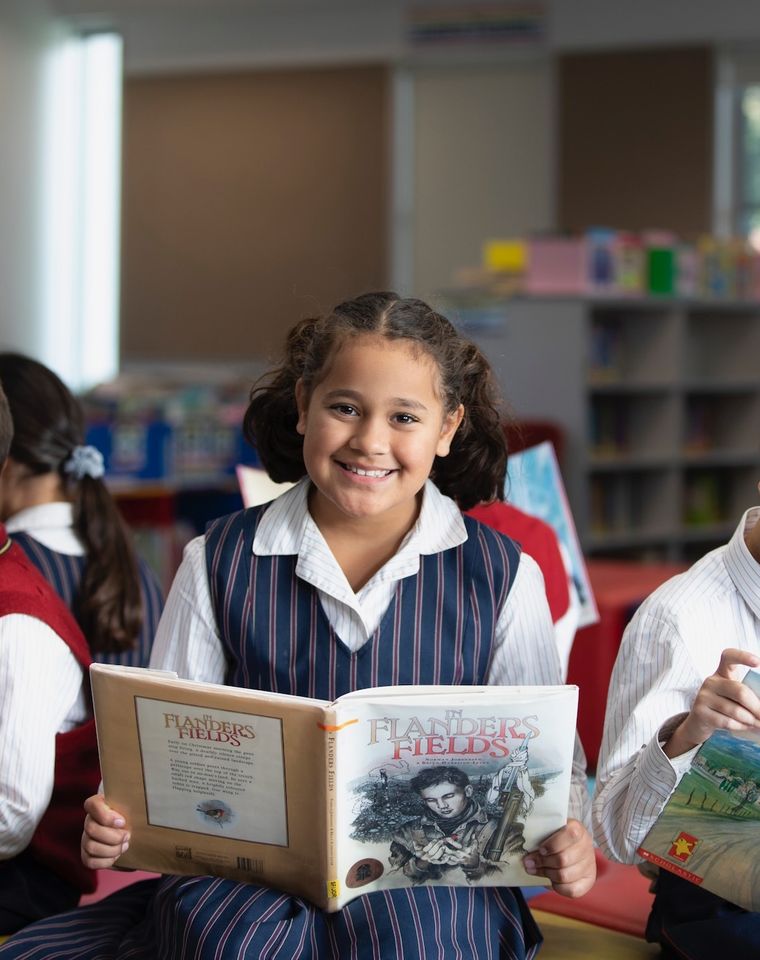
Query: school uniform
[46, 534]
[261, 602]
[48, 757]
[671, 646]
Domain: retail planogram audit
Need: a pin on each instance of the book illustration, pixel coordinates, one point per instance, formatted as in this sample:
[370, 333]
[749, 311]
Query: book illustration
[382, 788]
[454, 800]
[535, 485]
[708, 832]
[215, 811]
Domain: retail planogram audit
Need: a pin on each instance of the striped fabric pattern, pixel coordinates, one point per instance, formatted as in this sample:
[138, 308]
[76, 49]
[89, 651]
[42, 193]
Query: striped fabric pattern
[64, 573]
[277, 636]
[672, 644]
[439, 628]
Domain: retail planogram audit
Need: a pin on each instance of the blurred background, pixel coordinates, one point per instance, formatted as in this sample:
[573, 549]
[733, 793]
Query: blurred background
[577, 182]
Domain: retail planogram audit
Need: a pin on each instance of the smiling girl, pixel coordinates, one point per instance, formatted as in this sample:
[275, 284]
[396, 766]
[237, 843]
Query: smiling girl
[365, 573]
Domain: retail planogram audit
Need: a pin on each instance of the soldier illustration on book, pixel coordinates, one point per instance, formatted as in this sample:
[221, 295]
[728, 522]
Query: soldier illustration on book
[455, 831]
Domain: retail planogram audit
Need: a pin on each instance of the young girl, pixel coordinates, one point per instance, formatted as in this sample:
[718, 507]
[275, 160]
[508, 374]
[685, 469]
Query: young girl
[364, 573]
[57, 508]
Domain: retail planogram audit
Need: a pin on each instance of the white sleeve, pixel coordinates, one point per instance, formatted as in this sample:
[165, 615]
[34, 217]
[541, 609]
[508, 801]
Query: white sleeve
[653, 678]
[187, 640]
[40, 683]
[526, 653]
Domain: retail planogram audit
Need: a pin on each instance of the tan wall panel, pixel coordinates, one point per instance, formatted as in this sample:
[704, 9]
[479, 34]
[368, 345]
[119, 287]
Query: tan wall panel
[635, 140]
[250, 200]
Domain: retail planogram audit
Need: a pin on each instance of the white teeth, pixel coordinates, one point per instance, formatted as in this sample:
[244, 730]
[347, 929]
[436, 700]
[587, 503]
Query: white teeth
[367, 473]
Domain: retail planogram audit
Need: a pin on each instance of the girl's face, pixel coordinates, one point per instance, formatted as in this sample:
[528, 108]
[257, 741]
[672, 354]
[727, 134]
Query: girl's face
[372, 428]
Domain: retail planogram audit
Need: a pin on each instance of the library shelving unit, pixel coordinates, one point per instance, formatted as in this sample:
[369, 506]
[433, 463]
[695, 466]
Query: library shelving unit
[659, 403]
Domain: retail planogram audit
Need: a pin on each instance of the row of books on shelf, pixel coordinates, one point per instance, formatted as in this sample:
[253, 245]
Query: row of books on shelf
[606, 261]
[626, 503]
[617, 425]
[180, 430]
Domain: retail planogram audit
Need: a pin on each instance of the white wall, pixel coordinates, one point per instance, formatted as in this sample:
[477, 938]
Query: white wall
[197, 34]
[27, 33]
[483, 165]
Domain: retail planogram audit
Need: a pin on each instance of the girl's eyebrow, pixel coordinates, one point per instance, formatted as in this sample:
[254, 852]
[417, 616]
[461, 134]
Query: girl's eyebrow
[347, 394]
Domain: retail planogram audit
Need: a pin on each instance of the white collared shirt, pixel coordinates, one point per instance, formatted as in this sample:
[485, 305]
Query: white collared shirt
[40, 695]
[187, 640]
[671, 646]
[50, 523]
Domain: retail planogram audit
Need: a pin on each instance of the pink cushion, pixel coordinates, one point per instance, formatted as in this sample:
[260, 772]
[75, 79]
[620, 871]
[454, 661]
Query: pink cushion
[619, 900]
[111, 880]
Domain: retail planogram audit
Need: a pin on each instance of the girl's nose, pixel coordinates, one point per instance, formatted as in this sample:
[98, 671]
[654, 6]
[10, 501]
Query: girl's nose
[371, 437]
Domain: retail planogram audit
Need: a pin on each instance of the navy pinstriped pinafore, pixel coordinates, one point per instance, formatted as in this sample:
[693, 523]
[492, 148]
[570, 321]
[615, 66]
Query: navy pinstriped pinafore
[438, 628]
[64, 573]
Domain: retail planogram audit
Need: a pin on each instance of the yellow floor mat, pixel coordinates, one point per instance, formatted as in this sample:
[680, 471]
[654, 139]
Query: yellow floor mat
[566, 939]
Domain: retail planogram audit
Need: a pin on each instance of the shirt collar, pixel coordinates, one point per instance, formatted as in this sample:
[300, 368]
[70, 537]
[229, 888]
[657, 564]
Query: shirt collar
[44, 516]
[742, 567]
[287, 520]
[287, 528]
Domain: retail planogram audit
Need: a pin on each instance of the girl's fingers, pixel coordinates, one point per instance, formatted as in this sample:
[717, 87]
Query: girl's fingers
[108, 836]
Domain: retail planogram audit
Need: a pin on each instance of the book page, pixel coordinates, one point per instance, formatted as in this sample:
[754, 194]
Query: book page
[451, 787]
[215, 780]
[220, 773]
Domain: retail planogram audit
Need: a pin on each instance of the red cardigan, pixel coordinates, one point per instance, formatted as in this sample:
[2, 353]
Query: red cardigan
[538, 540]
[56, 840]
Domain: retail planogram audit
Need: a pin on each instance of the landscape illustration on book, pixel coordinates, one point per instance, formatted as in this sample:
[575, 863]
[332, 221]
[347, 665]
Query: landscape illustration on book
[709, 830]
[381, 788]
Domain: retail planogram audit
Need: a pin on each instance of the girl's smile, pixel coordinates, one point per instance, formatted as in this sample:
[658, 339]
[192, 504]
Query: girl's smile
[372, 429]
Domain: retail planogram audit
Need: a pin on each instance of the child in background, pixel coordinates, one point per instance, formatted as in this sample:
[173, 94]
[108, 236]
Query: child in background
[365, 573]
[57, 508]
[48, 755]
[677, 679]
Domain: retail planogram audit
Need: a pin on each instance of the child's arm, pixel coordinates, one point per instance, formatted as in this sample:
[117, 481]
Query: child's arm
[105, 835]
[187, 640]
[567, 859]
[659, 710]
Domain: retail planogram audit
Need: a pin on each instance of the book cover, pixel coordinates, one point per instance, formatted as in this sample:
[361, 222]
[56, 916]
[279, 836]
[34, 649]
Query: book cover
[535, 485]
[709, 830]
[389, 787]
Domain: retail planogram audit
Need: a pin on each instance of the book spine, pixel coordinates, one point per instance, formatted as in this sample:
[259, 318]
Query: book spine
[331, 811]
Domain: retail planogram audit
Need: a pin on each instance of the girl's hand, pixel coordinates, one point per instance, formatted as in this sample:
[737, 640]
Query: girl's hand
[722, 703]
[567, 859]
[105, 836]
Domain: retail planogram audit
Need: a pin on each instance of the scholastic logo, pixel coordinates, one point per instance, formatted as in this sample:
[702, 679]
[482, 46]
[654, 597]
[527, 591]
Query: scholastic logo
[683, 846]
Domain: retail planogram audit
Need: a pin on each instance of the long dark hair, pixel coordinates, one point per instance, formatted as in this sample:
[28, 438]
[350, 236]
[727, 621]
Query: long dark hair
[475, 467]
[48, 424]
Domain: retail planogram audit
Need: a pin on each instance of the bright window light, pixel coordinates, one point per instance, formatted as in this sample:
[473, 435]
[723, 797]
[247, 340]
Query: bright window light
[81, 209]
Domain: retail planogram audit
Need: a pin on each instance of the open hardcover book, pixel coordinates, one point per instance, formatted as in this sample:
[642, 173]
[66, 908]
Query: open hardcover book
[388, 787]
[709, 830]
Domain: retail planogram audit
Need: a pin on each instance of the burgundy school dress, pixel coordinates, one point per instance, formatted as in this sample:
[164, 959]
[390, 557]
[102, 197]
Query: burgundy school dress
[439, 628]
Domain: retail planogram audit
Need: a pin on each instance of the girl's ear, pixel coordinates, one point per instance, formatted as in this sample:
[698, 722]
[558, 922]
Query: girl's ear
[450, 426]
[302, 405]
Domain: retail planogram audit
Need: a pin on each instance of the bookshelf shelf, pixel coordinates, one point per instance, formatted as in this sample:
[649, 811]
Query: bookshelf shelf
[659, 404]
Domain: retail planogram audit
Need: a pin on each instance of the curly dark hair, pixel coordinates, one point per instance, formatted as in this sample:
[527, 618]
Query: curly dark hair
[475, 467]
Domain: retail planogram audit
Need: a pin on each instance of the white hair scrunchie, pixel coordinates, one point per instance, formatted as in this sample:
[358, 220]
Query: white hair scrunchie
[86, 461]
